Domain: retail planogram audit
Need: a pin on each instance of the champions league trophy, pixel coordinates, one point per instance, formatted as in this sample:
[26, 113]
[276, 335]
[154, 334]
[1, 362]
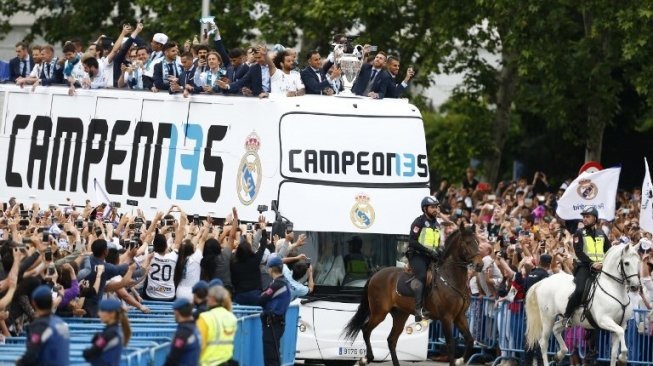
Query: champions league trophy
[348, 58]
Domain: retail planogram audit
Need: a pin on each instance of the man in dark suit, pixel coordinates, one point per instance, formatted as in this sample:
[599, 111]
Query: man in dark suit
[373, 80]
[315, 76]
[257, 80]
[238, 67]
[168, 72]
[395, 90]
[21, 65]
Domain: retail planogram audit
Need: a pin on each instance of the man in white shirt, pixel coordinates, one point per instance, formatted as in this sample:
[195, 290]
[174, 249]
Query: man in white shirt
[283, 79]
[160, 279]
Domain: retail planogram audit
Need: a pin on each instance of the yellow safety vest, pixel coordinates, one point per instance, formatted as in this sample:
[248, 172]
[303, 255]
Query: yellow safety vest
[429, 237]
[221, 324]
[594, 247]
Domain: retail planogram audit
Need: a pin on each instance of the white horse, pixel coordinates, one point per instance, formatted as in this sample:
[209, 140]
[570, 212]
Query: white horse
[610, 308]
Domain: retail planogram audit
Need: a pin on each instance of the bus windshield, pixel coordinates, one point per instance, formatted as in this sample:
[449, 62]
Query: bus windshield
[344, 261]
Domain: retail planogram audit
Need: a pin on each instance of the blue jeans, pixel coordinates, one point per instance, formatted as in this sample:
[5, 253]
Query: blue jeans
[248, 298]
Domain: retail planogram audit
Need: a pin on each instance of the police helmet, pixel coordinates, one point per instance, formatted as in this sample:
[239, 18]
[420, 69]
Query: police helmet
[428, 201]
[591, 210]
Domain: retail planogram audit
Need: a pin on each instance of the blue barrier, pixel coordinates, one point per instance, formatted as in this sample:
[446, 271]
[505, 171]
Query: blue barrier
[503, 327]
[150, 345]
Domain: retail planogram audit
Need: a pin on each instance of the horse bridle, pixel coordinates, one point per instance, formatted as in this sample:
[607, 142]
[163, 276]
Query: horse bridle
[624, 278]
[464, 264]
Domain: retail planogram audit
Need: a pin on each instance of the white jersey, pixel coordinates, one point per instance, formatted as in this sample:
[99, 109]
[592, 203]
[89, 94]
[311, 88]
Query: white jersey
[160, 279]
[283, 83]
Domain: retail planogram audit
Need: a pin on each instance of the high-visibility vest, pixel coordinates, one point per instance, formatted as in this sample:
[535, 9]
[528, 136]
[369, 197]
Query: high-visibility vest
[594, 247]
[221, 325]
[429, 237]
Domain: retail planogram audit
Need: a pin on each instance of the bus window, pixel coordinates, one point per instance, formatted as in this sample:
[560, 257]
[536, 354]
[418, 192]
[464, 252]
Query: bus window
[346, 259]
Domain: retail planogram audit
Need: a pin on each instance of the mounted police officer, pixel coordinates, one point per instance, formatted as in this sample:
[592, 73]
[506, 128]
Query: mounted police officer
[590, 245]
[48, 338]
[423, 247]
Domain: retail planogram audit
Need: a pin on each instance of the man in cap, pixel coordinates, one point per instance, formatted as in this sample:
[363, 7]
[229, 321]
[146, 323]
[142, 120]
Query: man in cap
[423, 247]
[186, 344]
[590, 245]
[200, 293]
[275, 301]
[158, 40]
[48, 339]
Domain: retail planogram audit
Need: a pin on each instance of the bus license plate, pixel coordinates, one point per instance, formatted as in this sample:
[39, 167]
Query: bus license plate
[351, 351]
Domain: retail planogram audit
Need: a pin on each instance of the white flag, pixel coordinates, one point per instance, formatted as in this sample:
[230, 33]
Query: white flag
[646, 212]
[597, 189]
[101, 196]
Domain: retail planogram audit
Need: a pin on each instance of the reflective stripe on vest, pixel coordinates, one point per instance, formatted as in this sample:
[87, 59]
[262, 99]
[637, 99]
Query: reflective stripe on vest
[221, 325]
[429, 237]
[594, 247]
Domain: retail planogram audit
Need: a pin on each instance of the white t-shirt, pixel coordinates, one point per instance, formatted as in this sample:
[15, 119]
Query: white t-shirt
[283, 83]
[191, 276]
[160, 279]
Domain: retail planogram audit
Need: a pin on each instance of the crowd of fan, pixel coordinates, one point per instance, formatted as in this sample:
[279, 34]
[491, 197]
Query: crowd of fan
[86, 255]
[519, 232]
[196, 68]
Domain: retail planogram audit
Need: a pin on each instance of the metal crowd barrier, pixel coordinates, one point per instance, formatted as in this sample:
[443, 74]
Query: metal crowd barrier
[501, 329]
[152, 333]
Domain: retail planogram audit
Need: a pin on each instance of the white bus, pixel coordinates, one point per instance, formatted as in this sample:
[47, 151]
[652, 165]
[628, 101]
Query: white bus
[348, 172]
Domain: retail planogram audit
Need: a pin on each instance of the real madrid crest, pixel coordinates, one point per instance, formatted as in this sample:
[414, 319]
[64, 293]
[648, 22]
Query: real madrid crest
[249, 171]
[587, 189]
[362, 212]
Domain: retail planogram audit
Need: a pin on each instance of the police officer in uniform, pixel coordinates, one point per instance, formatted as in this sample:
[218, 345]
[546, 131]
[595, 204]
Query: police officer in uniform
[590, 245]
[275, 301]
[107, 345]
[217, 328]
[423, 247]
[186, 344]
[48, 338]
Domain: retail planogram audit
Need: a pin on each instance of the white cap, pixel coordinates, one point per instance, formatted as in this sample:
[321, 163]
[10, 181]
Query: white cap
[160, 38]
[645, 244]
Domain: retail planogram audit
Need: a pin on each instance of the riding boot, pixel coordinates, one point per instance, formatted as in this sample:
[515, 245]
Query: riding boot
[418, 288]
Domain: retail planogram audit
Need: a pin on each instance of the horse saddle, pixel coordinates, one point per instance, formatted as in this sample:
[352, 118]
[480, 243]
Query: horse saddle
[405, 278]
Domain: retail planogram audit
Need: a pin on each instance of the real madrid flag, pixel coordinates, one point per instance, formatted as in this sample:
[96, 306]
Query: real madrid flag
[597, 189]
[646, 211]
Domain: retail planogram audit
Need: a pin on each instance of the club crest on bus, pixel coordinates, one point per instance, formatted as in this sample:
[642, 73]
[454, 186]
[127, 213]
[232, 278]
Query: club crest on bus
[249, 171]
[362, 213]
[587, 189]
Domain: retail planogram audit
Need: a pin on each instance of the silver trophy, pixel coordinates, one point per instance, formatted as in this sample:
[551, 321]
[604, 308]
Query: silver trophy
[349, 63]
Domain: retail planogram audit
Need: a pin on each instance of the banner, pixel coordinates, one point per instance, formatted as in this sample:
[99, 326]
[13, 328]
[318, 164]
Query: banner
[646, 211]
[597, 189]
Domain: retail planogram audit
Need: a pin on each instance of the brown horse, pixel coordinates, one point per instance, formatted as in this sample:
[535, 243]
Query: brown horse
[447, 299]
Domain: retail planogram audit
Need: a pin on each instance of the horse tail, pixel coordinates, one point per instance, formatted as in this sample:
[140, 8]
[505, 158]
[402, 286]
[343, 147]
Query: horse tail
[358, 321]
[533, 317]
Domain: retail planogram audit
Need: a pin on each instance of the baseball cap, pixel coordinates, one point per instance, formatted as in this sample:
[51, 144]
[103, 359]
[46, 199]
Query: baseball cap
[216, 282]
[274, 261]
[160, 38]
[42, 292]
[180, 303]
[110, 305]
[201, 285]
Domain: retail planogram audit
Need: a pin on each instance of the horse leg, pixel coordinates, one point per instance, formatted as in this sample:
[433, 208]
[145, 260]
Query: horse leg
[399, 320]
[617, 337]
[558, 327]
[447, 329]
[463, 327]
[374, 320]
[547, 326]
